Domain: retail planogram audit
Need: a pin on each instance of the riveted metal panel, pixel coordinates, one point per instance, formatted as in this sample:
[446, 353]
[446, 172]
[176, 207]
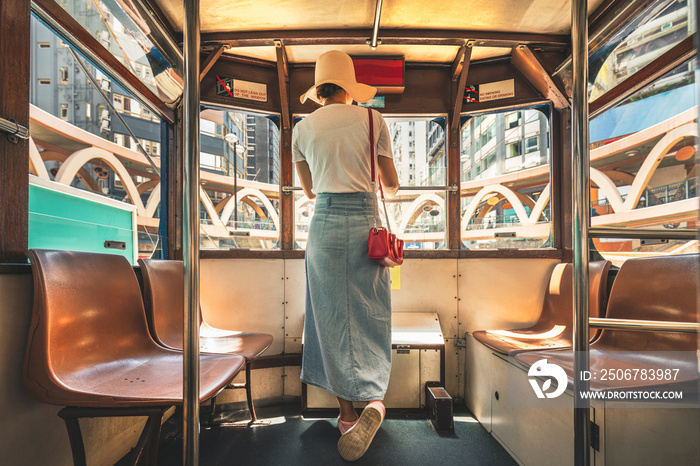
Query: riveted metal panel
[245, 295]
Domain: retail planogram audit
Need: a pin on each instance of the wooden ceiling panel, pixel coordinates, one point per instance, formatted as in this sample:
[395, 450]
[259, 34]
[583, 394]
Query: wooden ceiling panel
[523, 16]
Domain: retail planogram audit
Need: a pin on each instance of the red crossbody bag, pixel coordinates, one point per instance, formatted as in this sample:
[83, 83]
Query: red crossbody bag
[384, 247]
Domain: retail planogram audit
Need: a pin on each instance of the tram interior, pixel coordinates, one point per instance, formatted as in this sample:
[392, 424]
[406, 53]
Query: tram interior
[480, 114]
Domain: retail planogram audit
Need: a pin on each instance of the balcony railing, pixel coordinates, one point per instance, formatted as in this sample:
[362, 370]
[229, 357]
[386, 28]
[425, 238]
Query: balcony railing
[673, 192]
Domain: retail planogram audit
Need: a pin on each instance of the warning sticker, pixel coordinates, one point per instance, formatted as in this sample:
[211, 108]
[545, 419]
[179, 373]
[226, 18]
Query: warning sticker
[497, 90]
[241, 89]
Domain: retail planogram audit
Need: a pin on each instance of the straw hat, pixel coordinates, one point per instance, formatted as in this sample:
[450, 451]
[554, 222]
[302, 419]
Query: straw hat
[336, 67]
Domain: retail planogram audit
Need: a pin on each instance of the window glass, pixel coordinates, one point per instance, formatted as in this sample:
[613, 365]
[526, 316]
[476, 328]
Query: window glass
[88, 183]
[643, 171]
[654, 31]
[121, 29]
[240, 175]
[418, 216]
[505, 180]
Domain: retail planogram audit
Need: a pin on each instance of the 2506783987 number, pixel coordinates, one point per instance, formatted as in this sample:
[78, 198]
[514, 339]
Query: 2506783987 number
[664, 375]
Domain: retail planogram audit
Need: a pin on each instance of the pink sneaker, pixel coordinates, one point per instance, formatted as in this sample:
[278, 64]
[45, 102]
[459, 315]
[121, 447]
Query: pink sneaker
[356, 440]
[345, 426]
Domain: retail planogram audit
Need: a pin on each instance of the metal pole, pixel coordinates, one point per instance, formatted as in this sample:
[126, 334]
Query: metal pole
[235, 185]
[375, 29]
[190, 235]
[581, 206]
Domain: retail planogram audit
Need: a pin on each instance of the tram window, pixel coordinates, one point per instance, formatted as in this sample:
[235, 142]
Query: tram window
[118, 29]
[240, 173]
[660, 26]
[643, 171]
[419, 217]
[93, 194]
[496, 203]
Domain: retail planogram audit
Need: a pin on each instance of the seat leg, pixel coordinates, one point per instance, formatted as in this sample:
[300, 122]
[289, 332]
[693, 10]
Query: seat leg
[153, 442]
[212, 409]
[75, 437]
[249, 392]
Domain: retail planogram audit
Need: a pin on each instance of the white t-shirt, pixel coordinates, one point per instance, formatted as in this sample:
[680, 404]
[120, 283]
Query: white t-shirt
[334, 141]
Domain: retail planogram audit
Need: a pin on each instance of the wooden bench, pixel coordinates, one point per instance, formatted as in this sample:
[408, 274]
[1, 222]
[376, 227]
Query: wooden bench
[163, 296]
[553, 329]
[89, 348]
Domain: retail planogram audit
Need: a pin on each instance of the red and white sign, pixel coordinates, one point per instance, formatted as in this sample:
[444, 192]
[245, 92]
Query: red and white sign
[249, 90]
[497, 90]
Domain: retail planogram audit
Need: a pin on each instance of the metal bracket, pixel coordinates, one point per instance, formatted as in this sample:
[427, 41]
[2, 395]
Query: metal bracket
[595, 436]
[14, 130]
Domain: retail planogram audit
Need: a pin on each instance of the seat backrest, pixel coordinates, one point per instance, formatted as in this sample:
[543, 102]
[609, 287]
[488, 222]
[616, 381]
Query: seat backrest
[164, 297]
[87, 311]
[558, 300]
[655, 288]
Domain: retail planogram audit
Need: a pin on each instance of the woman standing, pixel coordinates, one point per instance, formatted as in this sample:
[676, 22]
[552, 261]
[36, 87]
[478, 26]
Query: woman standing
[347, 329]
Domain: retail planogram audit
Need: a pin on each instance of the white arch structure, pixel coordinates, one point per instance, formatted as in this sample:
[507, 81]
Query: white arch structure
[77, 159]
[250, 193]
[417, 204]
[75, 162]
[505, 192]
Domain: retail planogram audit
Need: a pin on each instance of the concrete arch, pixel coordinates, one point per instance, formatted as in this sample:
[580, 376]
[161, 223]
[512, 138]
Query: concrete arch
[608, 187]
[654, 158]
[494, 188]
[220, 206]
[251, 192]
[414, 210]
[537, 210]
[153, 201]
[211, 211]
[77, 159]
[254, 205]
[36, 163]
[83, 175]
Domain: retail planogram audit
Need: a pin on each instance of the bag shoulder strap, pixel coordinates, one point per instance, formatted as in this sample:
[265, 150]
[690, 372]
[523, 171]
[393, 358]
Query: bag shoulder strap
[373, 161]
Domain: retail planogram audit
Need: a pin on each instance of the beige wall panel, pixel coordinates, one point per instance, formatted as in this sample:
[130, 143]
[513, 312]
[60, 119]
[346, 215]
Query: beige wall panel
[292, 381]
[319, 398]
[477, 381]
[452, 369]
[292, 345]
[24, 420]
[501, 293]
[294, 297]
[651, 436]
[245, 295]
[404, 381]
[536, 436]
[429, 285]
[267, 383]
[26, 423]
[429, 371]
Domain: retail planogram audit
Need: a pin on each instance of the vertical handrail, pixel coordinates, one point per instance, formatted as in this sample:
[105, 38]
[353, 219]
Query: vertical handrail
[581, 203]
[190, 235]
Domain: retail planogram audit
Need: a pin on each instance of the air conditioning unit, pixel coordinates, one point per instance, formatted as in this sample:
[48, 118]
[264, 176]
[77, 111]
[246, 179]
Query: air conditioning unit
[105, 115]
[106, 84]
[104, 126]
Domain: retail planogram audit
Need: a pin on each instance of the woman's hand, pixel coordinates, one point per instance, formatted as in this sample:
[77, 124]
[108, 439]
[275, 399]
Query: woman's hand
[305, 178]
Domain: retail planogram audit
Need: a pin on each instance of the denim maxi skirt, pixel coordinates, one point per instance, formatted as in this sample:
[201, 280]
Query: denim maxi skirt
[347, 329]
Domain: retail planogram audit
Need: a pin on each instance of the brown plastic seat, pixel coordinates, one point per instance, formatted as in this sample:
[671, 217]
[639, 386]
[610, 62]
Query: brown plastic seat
[89, 344]
[553, 329]
[164, 298]
[657, 288]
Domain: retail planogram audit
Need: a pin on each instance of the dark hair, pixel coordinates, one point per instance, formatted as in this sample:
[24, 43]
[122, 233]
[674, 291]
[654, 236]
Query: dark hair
[325, 91]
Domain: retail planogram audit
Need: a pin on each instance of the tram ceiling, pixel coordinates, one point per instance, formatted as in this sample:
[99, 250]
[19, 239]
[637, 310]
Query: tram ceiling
[524, 16]
[417, 30]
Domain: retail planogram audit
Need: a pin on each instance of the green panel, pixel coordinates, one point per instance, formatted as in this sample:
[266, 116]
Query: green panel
[59, 220]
